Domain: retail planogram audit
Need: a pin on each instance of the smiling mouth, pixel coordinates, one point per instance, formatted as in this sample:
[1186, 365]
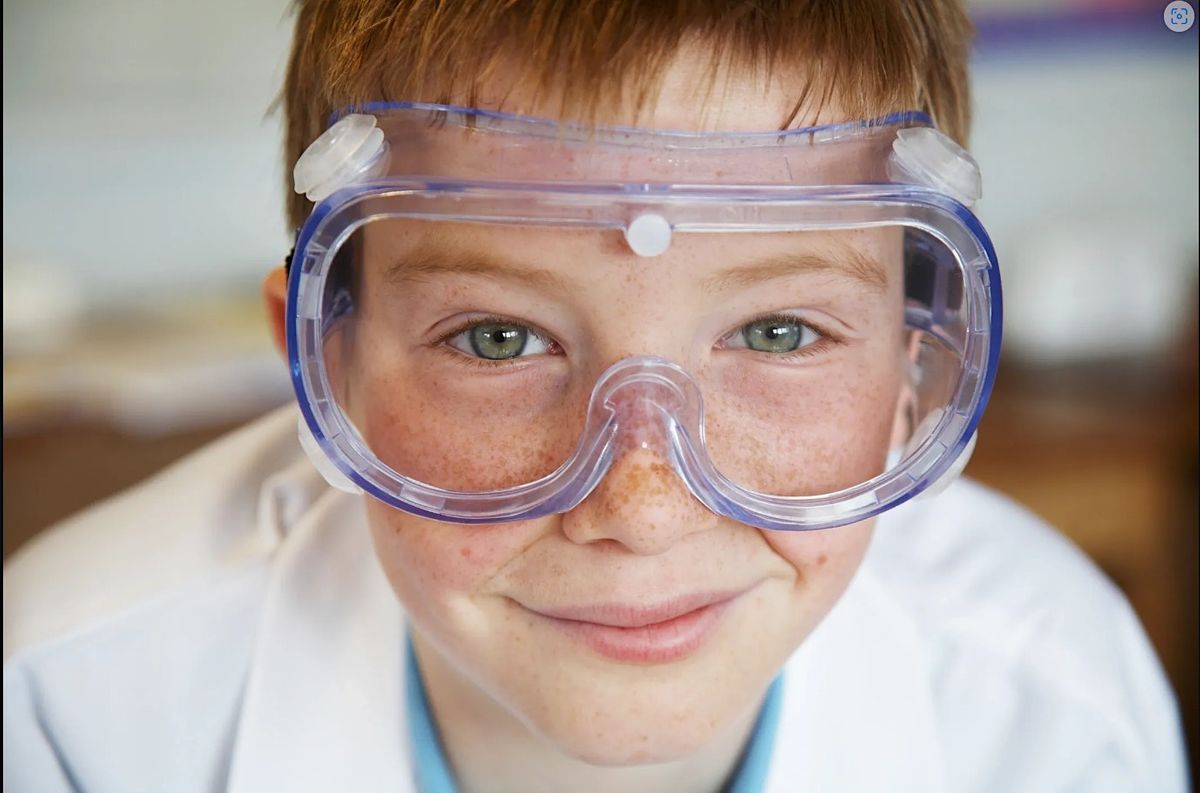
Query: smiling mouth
[639, 634]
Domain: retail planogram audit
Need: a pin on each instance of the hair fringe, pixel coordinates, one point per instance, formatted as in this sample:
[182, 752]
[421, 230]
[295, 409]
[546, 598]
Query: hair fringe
[869, 56]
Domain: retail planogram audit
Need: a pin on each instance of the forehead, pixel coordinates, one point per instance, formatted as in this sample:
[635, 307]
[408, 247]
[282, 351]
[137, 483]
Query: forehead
[691, 94]
[556, 261]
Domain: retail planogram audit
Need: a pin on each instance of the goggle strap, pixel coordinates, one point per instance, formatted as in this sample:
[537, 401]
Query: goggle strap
[320, 460]
[952, 473]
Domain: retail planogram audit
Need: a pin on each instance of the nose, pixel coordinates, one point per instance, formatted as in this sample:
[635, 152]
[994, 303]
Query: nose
[641, 502]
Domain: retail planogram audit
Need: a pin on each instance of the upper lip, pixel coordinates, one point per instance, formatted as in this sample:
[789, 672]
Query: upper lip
[637, 615]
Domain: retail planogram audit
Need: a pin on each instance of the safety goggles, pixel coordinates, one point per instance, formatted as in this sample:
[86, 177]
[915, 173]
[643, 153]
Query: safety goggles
[489, 313]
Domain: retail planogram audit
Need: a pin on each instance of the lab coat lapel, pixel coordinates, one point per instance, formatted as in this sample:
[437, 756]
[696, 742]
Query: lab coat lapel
[323, 703]
[858, 714]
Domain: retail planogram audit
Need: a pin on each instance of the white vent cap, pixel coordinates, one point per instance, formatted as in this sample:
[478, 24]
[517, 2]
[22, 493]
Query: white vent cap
[926, 156]
[349, 151]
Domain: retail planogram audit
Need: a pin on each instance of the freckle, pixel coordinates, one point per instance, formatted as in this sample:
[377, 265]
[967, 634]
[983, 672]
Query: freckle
[465, 551]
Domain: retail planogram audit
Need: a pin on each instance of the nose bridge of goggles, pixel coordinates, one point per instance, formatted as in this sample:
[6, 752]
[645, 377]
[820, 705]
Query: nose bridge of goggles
[650, 405]
[644, 396]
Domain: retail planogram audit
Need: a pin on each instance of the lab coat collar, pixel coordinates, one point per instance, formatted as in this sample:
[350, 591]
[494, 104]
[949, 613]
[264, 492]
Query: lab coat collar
[859, 710]
[324, 699]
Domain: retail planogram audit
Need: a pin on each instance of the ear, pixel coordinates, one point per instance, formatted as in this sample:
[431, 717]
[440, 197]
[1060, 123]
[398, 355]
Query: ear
[274, 292]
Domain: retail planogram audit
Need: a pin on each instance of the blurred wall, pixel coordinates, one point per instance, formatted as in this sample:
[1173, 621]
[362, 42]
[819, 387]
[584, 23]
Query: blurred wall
[142, 207]
[1086, 129]
[138, 155]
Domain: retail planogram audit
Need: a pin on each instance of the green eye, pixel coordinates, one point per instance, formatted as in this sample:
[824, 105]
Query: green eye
[498, 341]
[776, 335]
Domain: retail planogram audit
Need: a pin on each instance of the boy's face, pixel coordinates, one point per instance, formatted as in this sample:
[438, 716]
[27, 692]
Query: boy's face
[638, 626]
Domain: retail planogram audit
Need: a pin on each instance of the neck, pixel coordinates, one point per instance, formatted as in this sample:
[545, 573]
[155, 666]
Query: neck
[489, 750]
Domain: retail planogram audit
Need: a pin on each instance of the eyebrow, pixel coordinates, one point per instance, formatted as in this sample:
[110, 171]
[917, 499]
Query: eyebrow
[849, 262]
[426, 263]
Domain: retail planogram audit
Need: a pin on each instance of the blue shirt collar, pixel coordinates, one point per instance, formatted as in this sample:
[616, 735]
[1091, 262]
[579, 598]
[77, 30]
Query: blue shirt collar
[432, 773]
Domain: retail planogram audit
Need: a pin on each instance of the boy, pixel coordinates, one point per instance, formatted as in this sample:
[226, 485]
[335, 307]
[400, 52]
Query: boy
[622, 324]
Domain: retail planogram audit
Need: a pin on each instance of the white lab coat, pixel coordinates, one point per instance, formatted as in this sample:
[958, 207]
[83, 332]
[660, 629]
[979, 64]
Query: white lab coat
[226, 627]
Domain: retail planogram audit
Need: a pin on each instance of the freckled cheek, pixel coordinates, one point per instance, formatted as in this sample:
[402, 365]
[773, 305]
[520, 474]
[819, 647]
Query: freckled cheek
[825, 559]
[802, 436]
[462, 435]
[422, 557]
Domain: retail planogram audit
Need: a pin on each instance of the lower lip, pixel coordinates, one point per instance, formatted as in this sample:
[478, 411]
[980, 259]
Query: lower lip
[658, 643]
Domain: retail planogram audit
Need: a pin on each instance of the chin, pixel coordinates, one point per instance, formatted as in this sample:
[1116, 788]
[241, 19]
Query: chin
[634, 745]
[659, 718]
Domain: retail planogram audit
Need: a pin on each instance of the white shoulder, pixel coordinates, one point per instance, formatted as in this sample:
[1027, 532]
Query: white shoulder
[145, 699]
[204, 516]
[972, 552]
[1042, 675]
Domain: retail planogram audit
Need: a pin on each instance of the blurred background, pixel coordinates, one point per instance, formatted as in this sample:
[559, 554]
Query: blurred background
[143, 204]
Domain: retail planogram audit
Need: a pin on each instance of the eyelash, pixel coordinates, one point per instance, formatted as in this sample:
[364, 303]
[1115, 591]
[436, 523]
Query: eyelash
[442, 343]
[827, 338]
